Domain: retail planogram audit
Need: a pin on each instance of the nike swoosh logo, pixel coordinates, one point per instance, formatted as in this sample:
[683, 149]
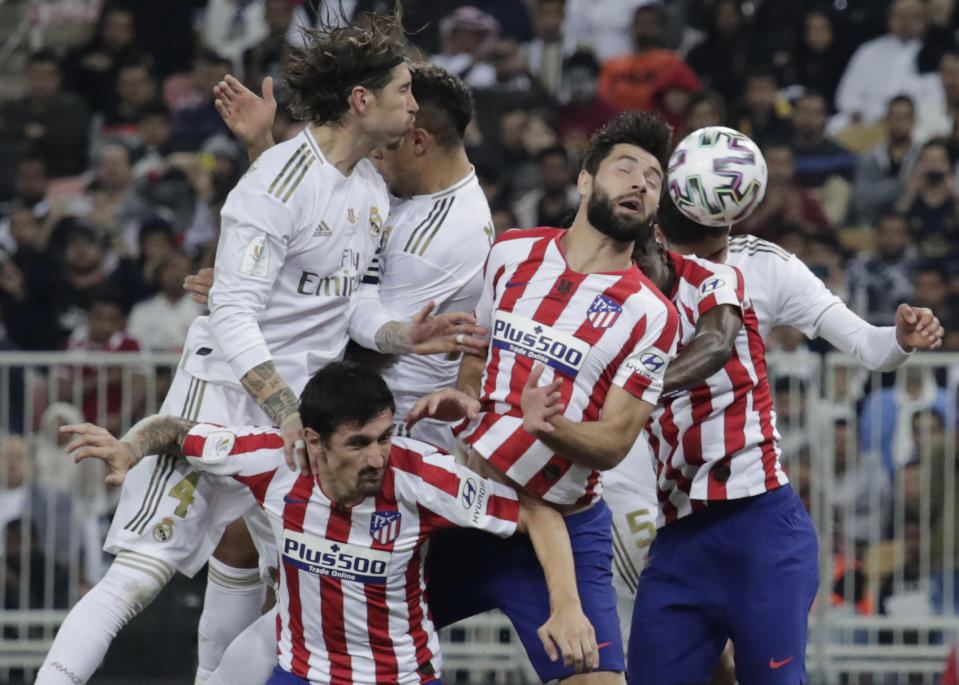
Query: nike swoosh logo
[773, 664]
[603, 644]
[513, 284]
[290, 500]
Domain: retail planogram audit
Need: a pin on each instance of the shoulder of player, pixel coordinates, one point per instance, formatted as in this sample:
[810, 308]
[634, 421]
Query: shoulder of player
[423, 462]
[456, 224]
[695, 270]
[743, 247]
[284, 169]
[212, 442]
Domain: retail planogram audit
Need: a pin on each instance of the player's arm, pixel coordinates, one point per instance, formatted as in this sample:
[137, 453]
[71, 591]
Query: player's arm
[598, 444]
[248, 116]
[710, 348]
[567, 627]
[153, 435]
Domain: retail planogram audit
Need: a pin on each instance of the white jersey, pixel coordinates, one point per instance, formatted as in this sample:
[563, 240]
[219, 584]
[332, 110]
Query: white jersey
[591, 330]
[295, 239]
[716, 440]
[352, 607]
[435, 248]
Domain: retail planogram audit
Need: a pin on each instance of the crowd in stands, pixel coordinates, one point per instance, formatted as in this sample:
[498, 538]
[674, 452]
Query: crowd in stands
[114, 164]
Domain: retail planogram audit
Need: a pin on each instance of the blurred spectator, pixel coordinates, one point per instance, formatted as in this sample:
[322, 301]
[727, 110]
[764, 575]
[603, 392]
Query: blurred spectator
[581, 111]
[504, 220]
[938, 105]
[116, 400]
[136, 90]
[52, 123]
[881, 281]
[230, 28]
[266, 57]
[599, 27]
[824, 257]
[817, 157]
[931, 289]
[628, 81]
[764, 116]
[511, 78]
[108, 190]
[466, 37]
[861, 492]
[883, 67]
[886, 419]
[91, 71]
[136, 274]
[165, 30]
[674, 90]
[544, 54]
[161, 323]
[196, 119]
[929, 201]
[556, 196]
[940, 35]
[929, 437]
[904, 591]
[820, 59]
[882, 172]
[154, 128]
[722, 59]
[786, 204]
[32, 186]
[705, 109]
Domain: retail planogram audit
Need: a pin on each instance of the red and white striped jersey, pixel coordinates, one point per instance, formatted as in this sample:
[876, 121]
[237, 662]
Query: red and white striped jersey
[351, 599]
[716, 440]
[591, 330]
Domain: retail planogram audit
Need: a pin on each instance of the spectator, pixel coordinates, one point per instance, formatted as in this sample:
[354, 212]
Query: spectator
[466, 37]
[824, 257]
[108, 191]
[904, 591]
[120, 400]
[764, 115]
[931, 289]
[706, 108]
[267, 57]
[54, 124]
[136, 90]
[91, 71]
[161, 323]
[136, 275]
[929, 201]
[673, 92]
[196, 120]
[938, 106]
[861, 492]
[544, 54]
[554, 198]
[32, 185]
[881, 281]
[882, 172]
[513, 80]
[231, 28]
[786, 204]
[504, 220]
[821, 58]
[883, 67]
[598, 26]
[628, 81]
[818, 159]
[581, 111]
[940, 35]
[154, 128]
[722, 59]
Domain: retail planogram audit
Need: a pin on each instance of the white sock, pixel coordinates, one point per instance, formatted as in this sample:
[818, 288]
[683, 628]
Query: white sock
[130, 584]
[251, 657]
[234, 598]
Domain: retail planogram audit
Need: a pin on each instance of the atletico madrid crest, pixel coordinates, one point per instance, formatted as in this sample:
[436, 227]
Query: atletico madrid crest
[385, 526]
[603, 312]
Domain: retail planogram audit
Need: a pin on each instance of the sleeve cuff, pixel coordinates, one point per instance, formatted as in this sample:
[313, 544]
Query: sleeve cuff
[365, 326]
[248, 359]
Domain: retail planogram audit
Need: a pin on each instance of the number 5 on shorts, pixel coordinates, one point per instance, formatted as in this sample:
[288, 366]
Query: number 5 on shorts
[183, 493]
[639, 522]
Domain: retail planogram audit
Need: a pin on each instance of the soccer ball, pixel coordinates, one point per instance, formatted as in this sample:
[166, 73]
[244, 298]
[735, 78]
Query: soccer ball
[717, 176]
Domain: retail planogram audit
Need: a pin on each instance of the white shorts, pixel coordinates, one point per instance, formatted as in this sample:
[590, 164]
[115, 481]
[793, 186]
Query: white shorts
[174, 513]
[630, 492]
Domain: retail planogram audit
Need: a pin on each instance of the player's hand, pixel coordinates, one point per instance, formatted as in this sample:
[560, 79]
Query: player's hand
[918, 328]
[540, 403]
[248, 116]
[199, 284]
[446, 333]
[94, 442]
[570, 631]
[294, 445]
[447, 404]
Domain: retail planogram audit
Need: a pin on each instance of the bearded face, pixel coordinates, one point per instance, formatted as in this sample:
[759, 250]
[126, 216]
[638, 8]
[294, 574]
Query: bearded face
[622, 218]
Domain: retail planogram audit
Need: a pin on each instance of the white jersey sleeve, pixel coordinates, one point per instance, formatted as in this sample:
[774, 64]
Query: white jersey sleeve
[233, 451]
[459, 496]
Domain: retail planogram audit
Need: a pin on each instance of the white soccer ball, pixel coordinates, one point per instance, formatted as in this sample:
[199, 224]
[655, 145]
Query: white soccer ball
[717, 176]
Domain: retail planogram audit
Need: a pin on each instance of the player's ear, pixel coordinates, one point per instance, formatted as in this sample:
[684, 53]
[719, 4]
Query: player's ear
[584, 183]
[314, 443]
[360, 99]
[421, 141]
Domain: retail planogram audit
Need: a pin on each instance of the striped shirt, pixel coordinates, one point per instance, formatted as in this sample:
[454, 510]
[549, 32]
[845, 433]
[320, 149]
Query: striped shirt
[590, 330]
[716, 440]
[351, 601]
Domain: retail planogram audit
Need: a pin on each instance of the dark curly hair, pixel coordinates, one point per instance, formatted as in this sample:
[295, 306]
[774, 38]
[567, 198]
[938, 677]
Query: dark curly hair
[446, 103]
[322, 74]
[642, 129]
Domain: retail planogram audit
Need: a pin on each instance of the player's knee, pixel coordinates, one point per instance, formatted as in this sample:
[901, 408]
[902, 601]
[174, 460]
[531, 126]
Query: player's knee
[131, 583]
[236, 547]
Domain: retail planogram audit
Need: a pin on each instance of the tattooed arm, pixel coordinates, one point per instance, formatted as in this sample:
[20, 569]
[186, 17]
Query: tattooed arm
[153, 435]
[275, 397]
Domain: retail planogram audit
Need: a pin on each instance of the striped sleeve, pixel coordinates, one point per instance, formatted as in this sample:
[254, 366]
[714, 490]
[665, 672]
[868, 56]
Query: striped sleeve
[641, 372]
[724, 286]
[233, 451]
[457, 495]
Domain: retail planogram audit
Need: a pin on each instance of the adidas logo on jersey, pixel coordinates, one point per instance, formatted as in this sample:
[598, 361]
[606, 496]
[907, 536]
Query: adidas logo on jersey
[322, 231]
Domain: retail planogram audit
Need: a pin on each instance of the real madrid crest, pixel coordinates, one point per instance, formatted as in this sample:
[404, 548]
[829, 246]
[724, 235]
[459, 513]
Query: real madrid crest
[163, 531]
[376, 223]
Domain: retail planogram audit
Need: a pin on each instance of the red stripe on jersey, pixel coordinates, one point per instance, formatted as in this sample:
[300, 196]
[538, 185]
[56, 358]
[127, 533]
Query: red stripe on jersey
[556, 464]
[707, 303]
[636, 385]
[257, 441]
[331, 602]
[413, 462]
[293, 514]
[414, 598]
[258, 484]
[702, 407]
[762, 398]
[193, 445]
[377, 612]
[502, 508]
[512, 448]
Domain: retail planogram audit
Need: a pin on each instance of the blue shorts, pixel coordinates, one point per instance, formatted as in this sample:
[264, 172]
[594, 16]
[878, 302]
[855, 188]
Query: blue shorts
[469, 572]
[745, 570]
[281, 677]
